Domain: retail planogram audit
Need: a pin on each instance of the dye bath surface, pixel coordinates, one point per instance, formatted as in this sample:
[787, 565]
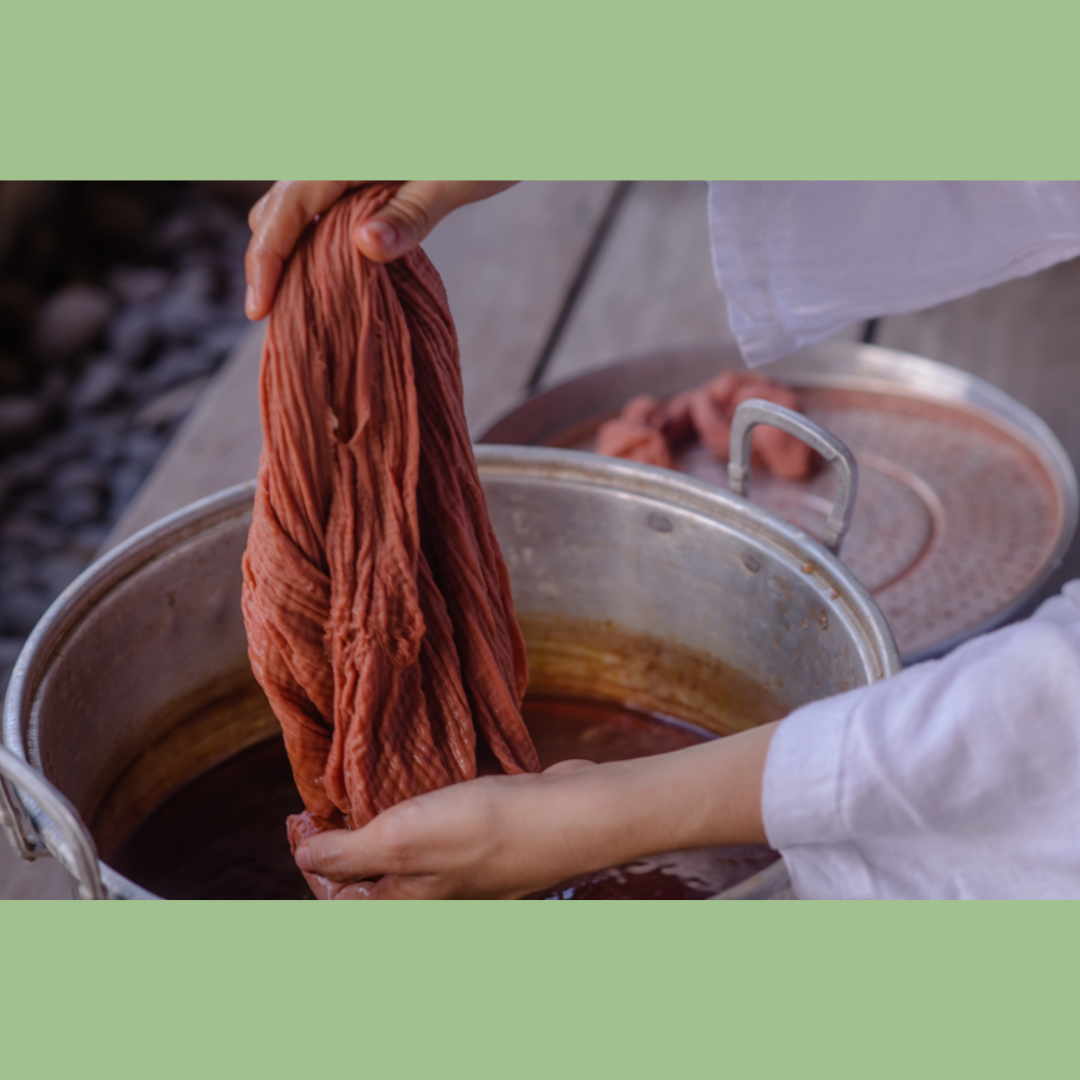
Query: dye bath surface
[222, 837]
[566, 728]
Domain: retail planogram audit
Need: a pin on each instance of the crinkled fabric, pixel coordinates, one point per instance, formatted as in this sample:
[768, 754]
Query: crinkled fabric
[377, 604]
[653, 433]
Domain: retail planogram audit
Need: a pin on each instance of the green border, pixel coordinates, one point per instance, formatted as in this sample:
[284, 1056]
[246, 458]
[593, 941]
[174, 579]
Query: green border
[536, 990]
[571, 89]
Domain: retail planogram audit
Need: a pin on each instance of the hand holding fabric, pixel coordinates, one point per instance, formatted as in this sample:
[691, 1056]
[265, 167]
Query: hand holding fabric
[282, 214]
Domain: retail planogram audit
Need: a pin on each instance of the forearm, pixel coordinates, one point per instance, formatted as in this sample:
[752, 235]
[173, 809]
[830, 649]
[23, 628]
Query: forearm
[699, 797]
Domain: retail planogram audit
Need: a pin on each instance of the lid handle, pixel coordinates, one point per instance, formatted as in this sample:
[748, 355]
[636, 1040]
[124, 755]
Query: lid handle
[754, 411]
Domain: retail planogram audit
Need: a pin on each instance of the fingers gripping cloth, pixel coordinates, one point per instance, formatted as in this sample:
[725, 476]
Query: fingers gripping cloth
[377, 604]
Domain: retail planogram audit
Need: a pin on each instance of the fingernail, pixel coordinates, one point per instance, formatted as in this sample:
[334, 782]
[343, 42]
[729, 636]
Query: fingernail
[383, 235]
[303, 859]
[249, 302]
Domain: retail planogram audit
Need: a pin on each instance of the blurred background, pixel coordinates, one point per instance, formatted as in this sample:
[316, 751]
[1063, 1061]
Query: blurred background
[118, 302]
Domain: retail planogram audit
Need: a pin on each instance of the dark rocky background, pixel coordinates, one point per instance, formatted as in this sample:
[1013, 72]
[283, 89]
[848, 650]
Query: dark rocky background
[118, 301]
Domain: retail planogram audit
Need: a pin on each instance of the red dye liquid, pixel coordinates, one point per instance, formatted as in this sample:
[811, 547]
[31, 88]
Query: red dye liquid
[183, 851]
[564, 728]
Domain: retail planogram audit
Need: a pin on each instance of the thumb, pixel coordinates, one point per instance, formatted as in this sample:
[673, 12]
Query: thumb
[415, 209]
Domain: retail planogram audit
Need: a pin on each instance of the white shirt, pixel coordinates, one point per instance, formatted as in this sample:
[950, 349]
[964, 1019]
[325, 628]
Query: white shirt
[957, 778]
[798, 261]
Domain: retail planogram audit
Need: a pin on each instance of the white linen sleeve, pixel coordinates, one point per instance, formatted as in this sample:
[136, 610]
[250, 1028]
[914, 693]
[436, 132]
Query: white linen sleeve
[956, 778]
[798, 261]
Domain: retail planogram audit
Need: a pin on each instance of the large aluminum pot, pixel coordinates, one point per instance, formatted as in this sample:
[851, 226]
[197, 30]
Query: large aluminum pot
[631, 583]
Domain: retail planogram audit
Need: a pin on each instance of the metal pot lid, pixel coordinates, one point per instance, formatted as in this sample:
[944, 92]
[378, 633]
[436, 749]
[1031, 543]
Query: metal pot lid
[966, 499]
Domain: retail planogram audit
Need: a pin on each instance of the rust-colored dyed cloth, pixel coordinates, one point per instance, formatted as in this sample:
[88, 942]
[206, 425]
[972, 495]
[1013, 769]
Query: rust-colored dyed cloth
[652, 433]
[635, 434]
[377, 603]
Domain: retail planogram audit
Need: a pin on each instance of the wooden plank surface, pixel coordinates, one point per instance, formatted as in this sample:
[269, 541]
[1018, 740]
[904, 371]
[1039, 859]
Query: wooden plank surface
[652, 287]
[1024, 337]
[508, 264]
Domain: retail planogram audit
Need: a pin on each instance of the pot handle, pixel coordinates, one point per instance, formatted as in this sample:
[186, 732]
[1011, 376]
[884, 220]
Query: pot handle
[754, 411]
[39, 820]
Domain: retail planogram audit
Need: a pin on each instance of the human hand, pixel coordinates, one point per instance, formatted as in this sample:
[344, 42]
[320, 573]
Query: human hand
[282, 214]
[476, 839]
[502, 837]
